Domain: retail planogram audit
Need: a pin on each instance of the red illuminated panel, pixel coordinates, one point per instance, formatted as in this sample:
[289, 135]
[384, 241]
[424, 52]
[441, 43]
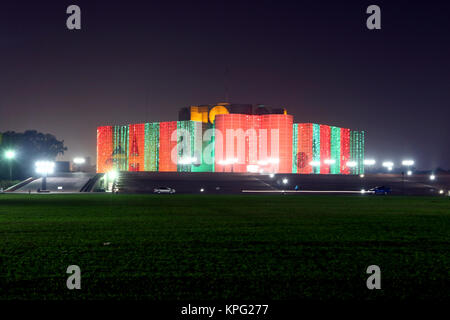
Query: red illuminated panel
[136, 146]
[325, 148]
[104, 148]
[166, 146]
[232, 128]
[279, 137]
[345, 150]
[305, 147]
[259, 140]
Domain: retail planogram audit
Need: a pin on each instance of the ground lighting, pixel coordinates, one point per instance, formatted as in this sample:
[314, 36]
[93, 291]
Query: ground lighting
[314, 163]
[351, 164]
[369, 162]
[112, 175]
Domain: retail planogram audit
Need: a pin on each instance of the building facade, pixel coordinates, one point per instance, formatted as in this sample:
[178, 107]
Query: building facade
[231, 138]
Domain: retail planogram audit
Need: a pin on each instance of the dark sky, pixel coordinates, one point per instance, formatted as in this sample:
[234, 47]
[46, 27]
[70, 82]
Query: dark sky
[138, 61]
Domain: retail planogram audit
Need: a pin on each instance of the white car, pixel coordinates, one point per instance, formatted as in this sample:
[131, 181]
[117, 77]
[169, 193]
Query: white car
[160, 190]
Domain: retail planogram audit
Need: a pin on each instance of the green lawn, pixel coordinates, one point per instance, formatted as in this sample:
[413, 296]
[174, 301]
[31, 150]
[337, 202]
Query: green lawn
[193, 247]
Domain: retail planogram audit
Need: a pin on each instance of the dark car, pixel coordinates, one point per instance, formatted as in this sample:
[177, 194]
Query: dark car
[380, 190]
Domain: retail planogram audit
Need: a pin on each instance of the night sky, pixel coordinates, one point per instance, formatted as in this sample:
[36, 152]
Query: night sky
[139, 61]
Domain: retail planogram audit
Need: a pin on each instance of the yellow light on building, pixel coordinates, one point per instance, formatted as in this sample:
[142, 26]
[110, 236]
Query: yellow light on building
[216, 111]
[199, 113]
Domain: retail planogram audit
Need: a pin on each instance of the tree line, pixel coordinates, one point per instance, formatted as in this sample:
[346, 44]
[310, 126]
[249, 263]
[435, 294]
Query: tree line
[28, 147]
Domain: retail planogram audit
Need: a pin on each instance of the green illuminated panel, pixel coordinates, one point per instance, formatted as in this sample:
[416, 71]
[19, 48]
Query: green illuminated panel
[357, 151]
[151, 146]
[316, 146]
[120, 148]
[201, 164]
[184, 147]
[294, 147]
[335, 150]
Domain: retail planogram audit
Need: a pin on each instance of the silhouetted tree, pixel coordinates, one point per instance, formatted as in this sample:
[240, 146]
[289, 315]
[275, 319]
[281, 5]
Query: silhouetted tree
[29, 146]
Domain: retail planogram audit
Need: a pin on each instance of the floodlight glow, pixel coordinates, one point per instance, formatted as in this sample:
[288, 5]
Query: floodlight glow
[369, 162]
[285, 180]
[351, 164]
[253, 168]
[432, 177]
[79, 160]
[231, 160]
[262, 163]
[441, 191]
[273, 160]
[361, 176]
[10, 154]
[408, 162]
[45, 167]
[112, 175]
[390, 168]
[314, 163]
[201, 190]
[409, 172]
[187, 160]
[363, 191]
[271, 175]
[329, 161]
[388, 164]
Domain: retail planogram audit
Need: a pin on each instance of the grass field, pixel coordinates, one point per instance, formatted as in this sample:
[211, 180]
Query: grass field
[201, 247]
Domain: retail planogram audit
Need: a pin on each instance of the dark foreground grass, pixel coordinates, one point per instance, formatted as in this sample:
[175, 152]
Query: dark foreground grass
[224, 247]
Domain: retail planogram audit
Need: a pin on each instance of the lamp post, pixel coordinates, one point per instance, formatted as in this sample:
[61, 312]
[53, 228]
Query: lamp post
[78, 162]
[44, 168]
[10, 155]
[407, 164]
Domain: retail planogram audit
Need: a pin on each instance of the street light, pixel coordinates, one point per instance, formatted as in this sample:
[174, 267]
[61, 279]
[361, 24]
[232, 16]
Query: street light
[408, 163]
[79, 160]
[44, 168]
[388, 164]
[10, 155]
[369, 162]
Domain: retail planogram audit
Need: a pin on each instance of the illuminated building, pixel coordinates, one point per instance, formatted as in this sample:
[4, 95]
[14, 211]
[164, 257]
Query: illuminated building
[231, 138]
